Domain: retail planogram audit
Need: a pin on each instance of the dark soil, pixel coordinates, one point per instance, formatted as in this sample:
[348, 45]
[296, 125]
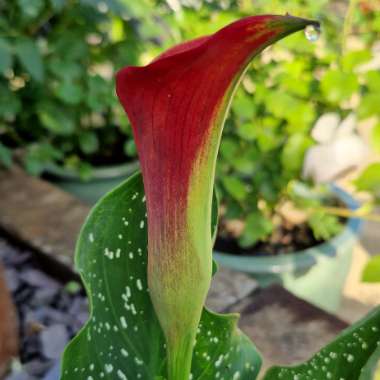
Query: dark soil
[286, 239]
[50, 312]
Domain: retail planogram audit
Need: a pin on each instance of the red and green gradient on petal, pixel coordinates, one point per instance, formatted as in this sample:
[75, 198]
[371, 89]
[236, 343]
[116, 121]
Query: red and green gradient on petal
[177, 106]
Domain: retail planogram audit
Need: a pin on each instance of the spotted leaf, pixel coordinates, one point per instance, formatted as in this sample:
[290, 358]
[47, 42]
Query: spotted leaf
[351, 356]
[123, 338]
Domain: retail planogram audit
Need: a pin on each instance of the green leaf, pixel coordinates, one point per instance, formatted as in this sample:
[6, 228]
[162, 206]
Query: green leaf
[372, 79]
[69, 92]
[57, 5]
[243, 106]
[235, 187]
[294, 151]
[39, 156]
[369, 105]
[369, 180]
[257, 227]
[371, 272]
[247, 131]
[130, 148]
[33, 165]
[229, 148]
[55, 119]
[375, 140]
[10, 103]
[31, 9]
[353, 59]
[324, 226]
[371, 371]
[123, 338]
[88, 142]
[337, 85]
[5, 55]
[344, 358]
[5, 156]
[30, 57]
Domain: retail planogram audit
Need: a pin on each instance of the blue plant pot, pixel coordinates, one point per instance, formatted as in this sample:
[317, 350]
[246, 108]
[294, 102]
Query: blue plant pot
[316, 274]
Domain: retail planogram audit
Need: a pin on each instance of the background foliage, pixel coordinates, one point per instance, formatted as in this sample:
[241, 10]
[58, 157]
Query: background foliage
[57, 102]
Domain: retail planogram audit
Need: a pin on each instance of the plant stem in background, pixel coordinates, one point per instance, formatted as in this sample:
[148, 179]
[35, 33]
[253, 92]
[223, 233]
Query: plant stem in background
[347, 26]
[361, 213]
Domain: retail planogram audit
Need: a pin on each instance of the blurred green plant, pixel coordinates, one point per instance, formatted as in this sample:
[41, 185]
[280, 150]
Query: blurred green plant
[371, 271]
[57, 98]
[57, 64]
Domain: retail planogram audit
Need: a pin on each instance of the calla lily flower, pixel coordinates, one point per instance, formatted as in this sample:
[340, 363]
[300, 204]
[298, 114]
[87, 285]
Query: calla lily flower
[177, 106]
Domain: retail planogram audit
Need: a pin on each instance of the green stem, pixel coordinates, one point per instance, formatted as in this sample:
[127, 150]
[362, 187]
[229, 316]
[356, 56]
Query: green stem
[347, 26]
[346, 213]
[180, 357]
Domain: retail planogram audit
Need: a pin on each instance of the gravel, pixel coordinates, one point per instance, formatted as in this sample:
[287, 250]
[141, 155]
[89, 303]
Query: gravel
[49, 314]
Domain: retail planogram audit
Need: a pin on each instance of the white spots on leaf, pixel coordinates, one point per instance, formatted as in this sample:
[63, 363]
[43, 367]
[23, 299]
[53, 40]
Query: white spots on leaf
[108, 368]
[121, 375]
[109, 254]
[142, 224]
[219, 361]
[91, 237]
[139, 284]
[138, 361]
[123, 322]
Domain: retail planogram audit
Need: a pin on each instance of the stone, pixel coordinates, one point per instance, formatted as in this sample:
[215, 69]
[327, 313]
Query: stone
[229, 287]
[49, 224]
[19, 376]
[44, 296]
[285, 328]
[12, 279]
[37, 367]
[54, 372]
[37, 278]
[53, 340]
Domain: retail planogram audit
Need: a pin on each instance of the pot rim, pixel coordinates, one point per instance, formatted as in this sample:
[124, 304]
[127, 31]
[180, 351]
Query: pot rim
[98, 173]
[303, 259]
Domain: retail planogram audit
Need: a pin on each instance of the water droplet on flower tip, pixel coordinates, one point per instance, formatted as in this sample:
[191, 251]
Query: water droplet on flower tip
[312, 33]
